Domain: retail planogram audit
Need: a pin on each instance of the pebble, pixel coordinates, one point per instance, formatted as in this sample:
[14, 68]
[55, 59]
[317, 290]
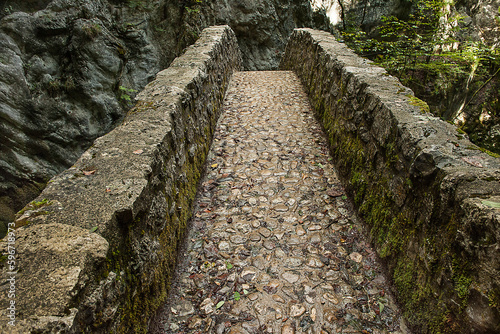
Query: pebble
[224, 246]
[296, 310]
[356, 257]
[293, 262]
[248, 274]
[281, 208]
[272, 237]
[288, 329]
[290, 277]
[314, 262]
[238, 239]
[278, 299]
[266, 233]
[207, 306]
[255, 237]
[331, 298]
[313, 314]
[268, 244]
[300, 231]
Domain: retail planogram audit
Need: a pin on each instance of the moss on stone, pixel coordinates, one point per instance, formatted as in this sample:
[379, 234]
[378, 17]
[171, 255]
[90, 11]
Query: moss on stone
[415, 101]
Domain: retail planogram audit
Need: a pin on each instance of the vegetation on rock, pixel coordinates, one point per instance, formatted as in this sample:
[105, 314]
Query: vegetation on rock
[425, 48]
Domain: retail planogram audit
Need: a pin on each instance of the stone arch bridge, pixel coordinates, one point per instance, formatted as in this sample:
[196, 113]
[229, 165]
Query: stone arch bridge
[281, 233]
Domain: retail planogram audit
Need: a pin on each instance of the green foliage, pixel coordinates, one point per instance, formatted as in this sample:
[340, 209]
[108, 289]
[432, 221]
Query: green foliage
[192, 6]
[192, 11]
[8, 10]
[125, 93]
[420, 51]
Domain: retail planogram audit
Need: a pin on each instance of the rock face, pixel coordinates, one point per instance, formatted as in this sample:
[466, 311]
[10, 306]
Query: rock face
[365, 13]
[468, 100]
[480, 20]
[69, 69]
[479, 16]
[263, 27]
[60, 77]
[96, 250]
[430, 198]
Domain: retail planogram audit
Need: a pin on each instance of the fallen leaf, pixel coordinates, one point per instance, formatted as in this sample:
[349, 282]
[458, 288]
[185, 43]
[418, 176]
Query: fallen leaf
[88, 172]
[138, 151]
[236, 296]
[491, 204]
[334, 193]
[380, 307]
[214, 165]
[219, 304]
[93, 229]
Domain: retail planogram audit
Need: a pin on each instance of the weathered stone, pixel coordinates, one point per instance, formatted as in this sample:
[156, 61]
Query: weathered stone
[288, 329]
[288, 274]
[278, 299]
[69, 69]
[296, 310]
[134, 190]
[418, 172]
[356, 257]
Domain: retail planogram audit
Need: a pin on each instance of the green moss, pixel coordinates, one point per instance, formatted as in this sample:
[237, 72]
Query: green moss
[3, 259]
[494, 155]
[461, 278]
[32, 206]
[395, 230]
[415, 101]
[477, 148]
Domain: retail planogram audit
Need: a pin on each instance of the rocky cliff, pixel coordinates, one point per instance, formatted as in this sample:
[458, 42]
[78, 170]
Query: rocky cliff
[70, 69]
[479, 16]
[467, 97]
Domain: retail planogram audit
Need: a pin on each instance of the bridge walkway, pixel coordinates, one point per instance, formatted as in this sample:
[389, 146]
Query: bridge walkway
[274, 246]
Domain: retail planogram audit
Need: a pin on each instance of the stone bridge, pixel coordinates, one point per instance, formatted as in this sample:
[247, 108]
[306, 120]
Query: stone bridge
[281, 233]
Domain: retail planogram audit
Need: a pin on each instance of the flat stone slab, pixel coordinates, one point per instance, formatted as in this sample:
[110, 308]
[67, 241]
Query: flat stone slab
[273, 237]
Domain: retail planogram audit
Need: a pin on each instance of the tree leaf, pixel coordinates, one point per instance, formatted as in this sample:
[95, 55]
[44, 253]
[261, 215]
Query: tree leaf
[236, 296]
[93, 229]
[380, 307]
[229, 265]
[219, 304]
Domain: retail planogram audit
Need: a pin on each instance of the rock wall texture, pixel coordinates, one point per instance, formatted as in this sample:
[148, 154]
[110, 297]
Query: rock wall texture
[430, 198]
[96, 249]
[70, 69]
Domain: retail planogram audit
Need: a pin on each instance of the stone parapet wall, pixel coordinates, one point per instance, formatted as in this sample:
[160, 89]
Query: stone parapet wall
[430, 198]
[95, 251]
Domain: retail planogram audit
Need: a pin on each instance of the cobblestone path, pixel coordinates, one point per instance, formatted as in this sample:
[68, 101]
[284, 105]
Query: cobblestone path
[274, 246]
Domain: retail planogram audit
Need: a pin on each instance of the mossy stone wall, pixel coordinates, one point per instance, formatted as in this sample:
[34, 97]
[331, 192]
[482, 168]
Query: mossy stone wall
[96, 250]
[430, 198]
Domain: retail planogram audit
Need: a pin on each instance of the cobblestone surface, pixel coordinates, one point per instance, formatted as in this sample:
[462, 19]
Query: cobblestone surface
[274, 246]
